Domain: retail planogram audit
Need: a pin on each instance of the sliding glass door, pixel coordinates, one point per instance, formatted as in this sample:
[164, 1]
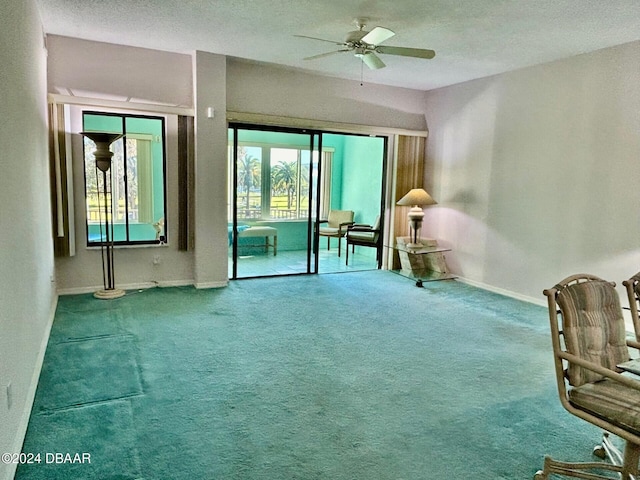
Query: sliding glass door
[273, 201]
[353, 184]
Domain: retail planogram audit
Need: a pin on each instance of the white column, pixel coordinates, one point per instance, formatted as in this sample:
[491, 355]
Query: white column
[210, 255]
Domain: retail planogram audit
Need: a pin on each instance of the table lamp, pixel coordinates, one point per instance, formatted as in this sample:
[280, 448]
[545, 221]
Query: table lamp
[416, 198]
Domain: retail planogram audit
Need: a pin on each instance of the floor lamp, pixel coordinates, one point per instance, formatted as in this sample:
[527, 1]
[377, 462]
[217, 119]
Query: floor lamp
[416, 198]
[103, 163]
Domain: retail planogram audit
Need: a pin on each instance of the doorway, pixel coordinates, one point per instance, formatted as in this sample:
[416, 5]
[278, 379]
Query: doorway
[283, 182]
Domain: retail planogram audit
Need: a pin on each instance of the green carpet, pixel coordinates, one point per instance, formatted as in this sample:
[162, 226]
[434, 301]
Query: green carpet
[344, 376]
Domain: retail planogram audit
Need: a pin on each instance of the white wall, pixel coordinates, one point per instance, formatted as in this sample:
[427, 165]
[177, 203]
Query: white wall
[27, 296]
[271, 90]
[211, 250]
[86, 68]
[537, 172]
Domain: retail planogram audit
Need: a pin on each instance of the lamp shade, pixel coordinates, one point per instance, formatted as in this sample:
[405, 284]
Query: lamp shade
[416, 196]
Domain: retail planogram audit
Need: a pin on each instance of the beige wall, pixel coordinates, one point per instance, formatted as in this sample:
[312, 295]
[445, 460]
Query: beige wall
[27, 296]
[537, 172]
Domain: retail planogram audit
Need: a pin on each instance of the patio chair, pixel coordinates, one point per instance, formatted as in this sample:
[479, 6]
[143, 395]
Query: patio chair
[365, 236]
[590, 353]
[336, 226]
[633, 293]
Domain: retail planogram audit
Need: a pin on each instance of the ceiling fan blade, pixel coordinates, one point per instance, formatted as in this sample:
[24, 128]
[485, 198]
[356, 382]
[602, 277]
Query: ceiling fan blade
[320, 55]
[377, 36]
[372, 61]
[407, 52]
[321, 39]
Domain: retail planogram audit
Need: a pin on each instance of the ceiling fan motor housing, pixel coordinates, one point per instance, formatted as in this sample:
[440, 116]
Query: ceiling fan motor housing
[360, 51]
[355, 37]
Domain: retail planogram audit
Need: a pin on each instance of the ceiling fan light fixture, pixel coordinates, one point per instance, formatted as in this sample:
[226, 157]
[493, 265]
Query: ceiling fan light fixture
[372, 61]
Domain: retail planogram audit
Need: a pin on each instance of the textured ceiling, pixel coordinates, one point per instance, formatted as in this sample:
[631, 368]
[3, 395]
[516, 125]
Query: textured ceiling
[472, 38]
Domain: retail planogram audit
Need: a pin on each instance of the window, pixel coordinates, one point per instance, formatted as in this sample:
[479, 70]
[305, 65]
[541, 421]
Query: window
[273, 182]
[289, 170]
[135, 181]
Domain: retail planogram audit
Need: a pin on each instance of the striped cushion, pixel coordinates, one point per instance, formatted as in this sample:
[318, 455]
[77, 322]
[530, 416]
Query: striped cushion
[610, 400]
[593, 328]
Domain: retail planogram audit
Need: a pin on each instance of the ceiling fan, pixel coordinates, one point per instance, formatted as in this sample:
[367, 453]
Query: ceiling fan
[366, 44]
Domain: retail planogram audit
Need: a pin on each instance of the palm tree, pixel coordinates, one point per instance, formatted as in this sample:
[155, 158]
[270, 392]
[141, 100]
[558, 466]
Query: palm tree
[248, 173]
[283, 177]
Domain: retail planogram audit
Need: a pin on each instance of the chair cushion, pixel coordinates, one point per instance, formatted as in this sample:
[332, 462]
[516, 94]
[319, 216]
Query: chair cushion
[611, 401]
[371, 237]
[257, 231]
[593, 328]
[330, 231]
[363, 236]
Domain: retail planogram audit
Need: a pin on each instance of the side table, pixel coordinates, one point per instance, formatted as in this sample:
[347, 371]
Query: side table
[423, 264]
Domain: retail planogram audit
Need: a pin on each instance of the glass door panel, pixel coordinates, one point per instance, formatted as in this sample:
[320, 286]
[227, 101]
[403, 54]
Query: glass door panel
[352, 178]
[272, 201]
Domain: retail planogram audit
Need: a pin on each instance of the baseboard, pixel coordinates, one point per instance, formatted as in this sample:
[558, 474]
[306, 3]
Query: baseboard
[203, 285]
[507, 293]
[33, 386]
[129, 286]
[175, 283]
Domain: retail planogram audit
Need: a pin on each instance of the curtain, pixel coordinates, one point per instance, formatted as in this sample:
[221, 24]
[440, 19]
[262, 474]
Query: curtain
[325, 184]
[186, 182]
[61, 181]
[145, 181]
[410, 174]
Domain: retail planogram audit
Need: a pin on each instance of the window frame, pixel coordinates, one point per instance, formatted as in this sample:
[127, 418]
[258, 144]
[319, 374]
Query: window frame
[163, 238]
[266, 171]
